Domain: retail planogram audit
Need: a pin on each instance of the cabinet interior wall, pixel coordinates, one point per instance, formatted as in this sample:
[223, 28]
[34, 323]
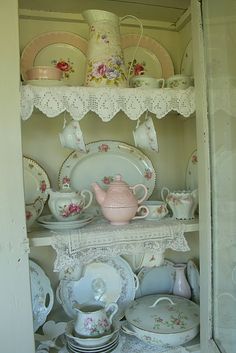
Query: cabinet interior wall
[176, 135]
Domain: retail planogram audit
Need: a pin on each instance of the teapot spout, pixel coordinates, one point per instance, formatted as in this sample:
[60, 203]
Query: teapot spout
[100, 194]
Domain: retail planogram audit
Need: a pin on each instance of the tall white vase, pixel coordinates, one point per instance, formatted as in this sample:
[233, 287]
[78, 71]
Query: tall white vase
[181, 286]
[105, 60]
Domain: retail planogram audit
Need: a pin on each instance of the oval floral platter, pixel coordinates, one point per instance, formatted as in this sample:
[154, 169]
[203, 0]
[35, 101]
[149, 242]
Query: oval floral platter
[64, 50]
[104, 160]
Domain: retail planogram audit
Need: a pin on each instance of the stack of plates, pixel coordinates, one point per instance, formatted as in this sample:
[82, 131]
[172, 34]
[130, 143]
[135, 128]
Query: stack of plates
[50, 222]
[104, 344]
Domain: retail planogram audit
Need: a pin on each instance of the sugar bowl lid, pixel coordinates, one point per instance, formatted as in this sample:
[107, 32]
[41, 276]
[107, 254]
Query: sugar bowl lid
[163, 314]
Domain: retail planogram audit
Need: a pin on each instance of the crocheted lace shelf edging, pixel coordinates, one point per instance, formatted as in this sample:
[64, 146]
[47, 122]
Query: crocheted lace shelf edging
[101, 239]
[105, 102]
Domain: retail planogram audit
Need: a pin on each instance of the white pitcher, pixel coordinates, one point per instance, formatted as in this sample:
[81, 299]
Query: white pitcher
[182, 203]
[94, 320]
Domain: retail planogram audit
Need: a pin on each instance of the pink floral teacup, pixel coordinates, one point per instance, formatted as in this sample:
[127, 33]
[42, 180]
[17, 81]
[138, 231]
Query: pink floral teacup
[67, 205]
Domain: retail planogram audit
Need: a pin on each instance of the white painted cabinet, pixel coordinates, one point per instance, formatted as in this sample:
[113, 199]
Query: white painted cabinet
[38, 138]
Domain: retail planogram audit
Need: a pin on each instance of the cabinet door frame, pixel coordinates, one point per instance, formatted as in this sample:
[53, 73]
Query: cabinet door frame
[203, 146]
[15, 305]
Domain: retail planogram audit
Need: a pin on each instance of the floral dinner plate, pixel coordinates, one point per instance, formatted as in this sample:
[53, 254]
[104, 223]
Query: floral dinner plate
[36, 181]
[64, 50]
[118, 278]
[104, 160]
[151, 58]
[41, 295]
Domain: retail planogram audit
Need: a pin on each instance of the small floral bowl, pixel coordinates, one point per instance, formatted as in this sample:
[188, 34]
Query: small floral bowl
[44, 73]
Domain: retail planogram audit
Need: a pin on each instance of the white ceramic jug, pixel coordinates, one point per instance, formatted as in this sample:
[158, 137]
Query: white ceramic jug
[105, 60]
[67, 205]
[182, 203]
[94, 320]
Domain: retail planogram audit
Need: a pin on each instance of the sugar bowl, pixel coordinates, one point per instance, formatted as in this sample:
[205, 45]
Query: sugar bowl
[66, 204]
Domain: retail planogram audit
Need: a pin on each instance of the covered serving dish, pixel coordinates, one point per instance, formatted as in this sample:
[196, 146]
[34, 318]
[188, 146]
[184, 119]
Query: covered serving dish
[162, 320]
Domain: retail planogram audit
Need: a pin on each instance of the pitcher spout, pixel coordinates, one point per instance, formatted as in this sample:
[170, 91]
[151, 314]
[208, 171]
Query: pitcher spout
[100, 194]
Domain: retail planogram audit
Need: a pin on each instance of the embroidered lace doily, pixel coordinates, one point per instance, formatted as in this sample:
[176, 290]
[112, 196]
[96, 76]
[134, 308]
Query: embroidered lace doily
[101, 239]
[104, 101]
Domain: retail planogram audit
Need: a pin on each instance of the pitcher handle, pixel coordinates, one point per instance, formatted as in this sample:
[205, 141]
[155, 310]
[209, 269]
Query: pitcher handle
[145, 191]
[138, 42]
[162, 193]
[111, 309]
[83, 193]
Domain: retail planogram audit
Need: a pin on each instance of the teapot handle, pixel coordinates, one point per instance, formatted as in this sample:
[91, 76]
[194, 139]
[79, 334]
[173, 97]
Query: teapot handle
[111, 309]
[83, 193]
[145, 191]
[162, 193]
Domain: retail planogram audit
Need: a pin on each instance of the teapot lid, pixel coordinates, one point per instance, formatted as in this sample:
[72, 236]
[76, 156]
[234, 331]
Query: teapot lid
[118, 181]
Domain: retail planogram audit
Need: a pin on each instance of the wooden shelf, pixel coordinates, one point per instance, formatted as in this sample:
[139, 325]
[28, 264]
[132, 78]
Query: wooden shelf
[43, 237]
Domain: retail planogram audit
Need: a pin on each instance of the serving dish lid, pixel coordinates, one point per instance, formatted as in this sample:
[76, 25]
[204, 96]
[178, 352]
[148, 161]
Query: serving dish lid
[163, 314]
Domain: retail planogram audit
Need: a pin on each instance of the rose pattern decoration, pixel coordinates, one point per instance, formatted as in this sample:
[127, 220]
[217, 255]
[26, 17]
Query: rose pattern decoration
[148, 174]
[136, 68]
[96, 327]
[66, 181]
[111, 71]
[28, 215]
[176, 320]
[70, 210]
[66, 66]
[103, 147]
[194, 159]
[107, 180]
[43, 186]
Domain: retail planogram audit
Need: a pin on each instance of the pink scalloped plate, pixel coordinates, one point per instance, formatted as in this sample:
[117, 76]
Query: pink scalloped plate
[151, 57]
[65, 50]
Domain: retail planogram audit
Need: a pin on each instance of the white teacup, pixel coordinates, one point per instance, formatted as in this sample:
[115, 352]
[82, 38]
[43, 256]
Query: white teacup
[143, 81]
[145, 135]
[72, 137]
[179, 82]
[157, 210]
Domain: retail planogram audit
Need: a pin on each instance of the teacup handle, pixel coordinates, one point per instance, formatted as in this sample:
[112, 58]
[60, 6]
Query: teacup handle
[145, 191]
[139, 209]
[83, 193]
[162, 80]
[111, 309]
[162, 193]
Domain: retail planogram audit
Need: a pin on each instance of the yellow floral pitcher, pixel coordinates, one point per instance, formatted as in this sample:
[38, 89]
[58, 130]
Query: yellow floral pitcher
[105, 59]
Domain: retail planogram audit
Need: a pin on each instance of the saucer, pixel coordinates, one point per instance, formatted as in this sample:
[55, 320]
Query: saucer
[50, 222]
[45, 83]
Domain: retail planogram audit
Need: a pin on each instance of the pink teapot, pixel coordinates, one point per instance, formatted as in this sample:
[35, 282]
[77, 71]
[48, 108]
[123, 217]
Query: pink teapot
[118, 203]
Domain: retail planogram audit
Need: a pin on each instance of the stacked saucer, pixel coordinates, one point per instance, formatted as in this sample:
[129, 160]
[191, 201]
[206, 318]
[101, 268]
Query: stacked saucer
[50, 222]
[104, 344]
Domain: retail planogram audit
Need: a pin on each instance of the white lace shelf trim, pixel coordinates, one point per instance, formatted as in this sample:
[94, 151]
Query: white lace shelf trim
[106, 102]
[101, 239]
